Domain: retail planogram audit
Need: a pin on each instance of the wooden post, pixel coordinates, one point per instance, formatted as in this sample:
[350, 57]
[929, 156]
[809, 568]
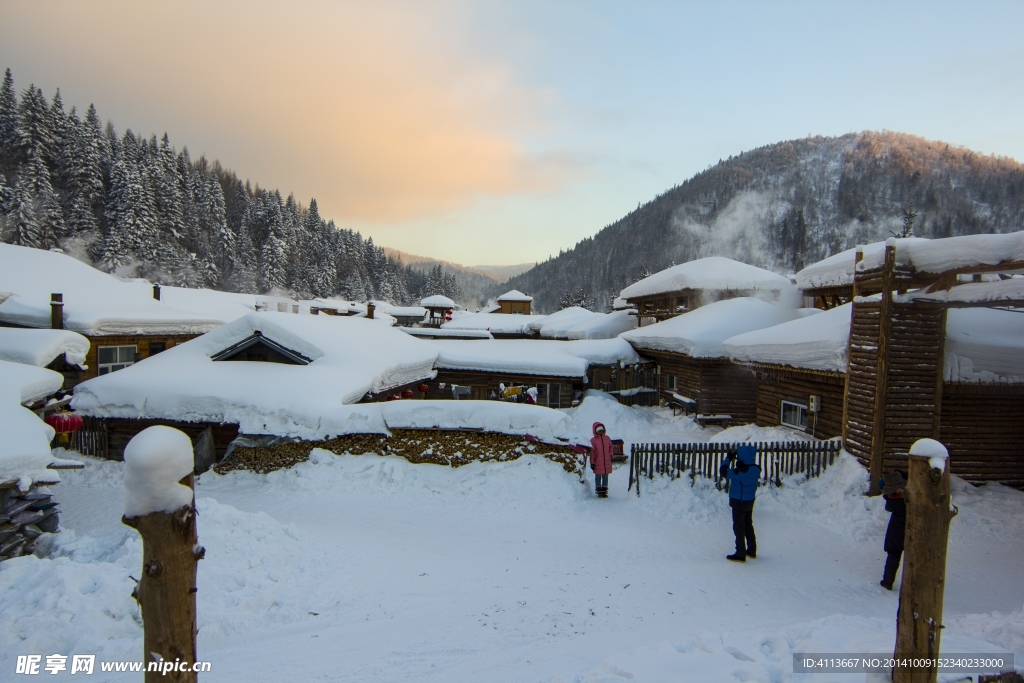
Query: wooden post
[156, 292]
[857, 258]
[167, 589]
[57, 311]
[919, 618]
[881, 378]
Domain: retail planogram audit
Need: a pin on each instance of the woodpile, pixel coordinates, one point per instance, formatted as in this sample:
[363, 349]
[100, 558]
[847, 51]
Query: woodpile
[452, 448]
[24, 517]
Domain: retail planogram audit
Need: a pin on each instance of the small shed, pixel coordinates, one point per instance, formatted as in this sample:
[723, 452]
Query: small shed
[439, 309]
[690, 285]
[514, 302]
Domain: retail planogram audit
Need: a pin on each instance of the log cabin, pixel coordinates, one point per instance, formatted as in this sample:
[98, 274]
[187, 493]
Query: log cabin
[695, 373]
[690, 285]
[514, 302]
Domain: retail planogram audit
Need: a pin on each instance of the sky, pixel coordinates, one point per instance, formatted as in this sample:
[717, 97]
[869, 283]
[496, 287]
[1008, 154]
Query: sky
[489, 132]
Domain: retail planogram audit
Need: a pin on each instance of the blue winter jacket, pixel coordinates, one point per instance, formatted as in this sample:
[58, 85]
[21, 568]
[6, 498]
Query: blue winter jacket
[743, 485]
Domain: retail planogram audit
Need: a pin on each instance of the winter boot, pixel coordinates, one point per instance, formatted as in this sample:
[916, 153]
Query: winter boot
[602, 492]
[736, 557]
[752, 552]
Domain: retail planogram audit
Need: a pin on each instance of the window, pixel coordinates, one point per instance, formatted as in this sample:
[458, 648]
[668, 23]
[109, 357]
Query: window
[671, 381]
[157, 347]
[793, 415]
[113, 358]
[549, 395]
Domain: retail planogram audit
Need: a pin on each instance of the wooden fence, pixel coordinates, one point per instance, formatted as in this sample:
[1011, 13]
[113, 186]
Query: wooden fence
[675, 460]
[91, 439]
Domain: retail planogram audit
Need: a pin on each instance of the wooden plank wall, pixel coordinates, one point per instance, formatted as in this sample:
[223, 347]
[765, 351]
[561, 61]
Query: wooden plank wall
[719, 386]
[860, 398]
[794, 385]
[141, 342]
[484, 383]
[121, 431]
[982, 425]
[914, 395]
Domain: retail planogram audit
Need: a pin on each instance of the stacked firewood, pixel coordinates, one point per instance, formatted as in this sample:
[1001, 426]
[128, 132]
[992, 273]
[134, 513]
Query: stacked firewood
[24, 517]
[452, 448]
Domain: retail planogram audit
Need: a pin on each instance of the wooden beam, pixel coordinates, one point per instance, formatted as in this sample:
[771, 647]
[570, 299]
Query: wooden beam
[881, 378]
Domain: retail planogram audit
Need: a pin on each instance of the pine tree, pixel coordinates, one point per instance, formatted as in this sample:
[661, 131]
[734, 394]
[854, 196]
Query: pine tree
[9, 135]
[40, 220]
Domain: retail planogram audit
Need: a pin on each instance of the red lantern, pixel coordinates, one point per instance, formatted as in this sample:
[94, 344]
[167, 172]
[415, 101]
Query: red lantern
[408, 393]
[424, 388]
[64, 423]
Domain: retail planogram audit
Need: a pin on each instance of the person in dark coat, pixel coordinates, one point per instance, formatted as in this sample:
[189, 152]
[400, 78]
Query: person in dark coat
[601, 459]
[892, 486]
[742, 473]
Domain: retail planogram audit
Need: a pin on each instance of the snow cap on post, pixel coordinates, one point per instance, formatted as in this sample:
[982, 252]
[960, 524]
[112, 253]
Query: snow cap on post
[155, 460]
[933, 450]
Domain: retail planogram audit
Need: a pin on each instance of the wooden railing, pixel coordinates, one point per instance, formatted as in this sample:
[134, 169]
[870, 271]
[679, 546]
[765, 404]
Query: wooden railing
[776, 458]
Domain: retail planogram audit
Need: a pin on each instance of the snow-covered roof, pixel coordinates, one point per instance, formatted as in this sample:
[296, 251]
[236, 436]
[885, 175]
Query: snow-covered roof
[700, 333]
[533, 357]
[496, 323]
[437, 333]
[619, 304]
[984, 345]
[923, 255]
[212, 303]
[437, 301]
[556, 325]
[603, 326]
[974, 292]
[40, 347]
[711, 273]
[816, 342]
[26, 439]
[399, 311]
[489, 416]
[349, 357]
[95, 303]
[514, 295]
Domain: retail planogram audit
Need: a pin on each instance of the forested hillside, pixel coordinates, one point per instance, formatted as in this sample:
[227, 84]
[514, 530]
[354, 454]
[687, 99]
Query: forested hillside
[143, 208]
[789, 204]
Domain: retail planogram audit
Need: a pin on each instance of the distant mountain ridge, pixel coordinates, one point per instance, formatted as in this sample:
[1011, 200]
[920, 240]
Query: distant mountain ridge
[789, 204]
[475, 282]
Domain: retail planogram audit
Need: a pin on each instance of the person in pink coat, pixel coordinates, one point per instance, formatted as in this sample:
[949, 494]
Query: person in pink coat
[601, 459]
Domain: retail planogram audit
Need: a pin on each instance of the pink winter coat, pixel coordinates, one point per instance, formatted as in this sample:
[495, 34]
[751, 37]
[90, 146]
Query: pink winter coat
[601, 452]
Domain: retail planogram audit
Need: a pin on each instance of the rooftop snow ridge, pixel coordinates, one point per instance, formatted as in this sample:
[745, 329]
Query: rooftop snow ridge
[711, 273]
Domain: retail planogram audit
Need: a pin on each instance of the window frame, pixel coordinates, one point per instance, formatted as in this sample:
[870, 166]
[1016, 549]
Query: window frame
[803, 412]
[671, 381]
[107, 368]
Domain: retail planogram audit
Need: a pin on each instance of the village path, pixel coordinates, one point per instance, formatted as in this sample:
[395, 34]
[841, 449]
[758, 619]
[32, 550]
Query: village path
[515, 572]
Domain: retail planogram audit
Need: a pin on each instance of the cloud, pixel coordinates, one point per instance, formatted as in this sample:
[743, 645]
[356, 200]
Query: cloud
[374, 108]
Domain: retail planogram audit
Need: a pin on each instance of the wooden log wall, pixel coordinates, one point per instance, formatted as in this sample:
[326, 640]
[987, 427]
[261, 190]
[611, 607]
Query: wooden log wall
[483, 383]
[719, 386]
[982, 426]
[790, 384]
[914, 390]
[140, 342]
[861, 379]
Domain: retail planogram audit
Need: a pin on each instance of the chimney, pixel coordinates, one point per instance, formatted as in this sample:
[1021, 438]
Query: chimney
[369, 311]
[156, 292]
[295, 308]
[57, 311]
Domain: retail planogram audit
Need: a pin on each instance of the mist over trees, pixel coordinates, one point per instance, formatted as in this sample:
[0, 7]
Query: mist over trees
[141, 207]
[787, 205]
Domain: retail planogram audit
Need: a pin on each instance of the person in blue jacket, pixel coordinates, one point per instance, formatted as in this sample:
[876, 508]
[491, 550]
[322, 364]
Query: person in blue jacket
[743, 474]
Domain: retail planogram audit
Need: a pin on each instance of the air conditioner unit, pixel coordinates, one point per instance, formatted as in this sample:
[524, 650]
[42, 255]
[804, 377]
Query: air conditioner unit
[814, 404]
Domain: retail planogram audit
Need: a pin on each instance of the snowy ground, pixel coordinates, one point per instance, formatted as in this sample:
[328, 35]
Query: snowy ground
[369, 568]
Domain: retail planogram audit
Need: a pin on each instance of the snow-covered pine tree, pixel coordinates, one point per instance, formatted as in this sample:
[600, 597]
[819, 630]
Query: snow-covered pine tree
[34, 134]
[40, 220]
[222, 239]
[8, 125]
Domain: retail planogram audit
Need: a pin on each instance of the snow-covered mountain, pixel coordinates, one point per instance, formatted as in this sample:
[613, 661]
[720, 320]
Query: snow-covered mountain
[790, 204]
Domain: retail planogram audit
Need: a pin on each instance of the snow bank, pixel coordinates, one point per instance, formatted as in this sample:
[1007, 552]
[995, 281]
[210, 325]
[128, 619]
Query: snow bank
[924, 255]
[40, 347]
[437, 301]
[633, 425]
[26, 439]
[94, 303]
[711, 273]
[349, 358]
[817, 342]
[155, 460]
[490, 416]
[700, 333]
[984, 345]
[495, 323]
[533, 357]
